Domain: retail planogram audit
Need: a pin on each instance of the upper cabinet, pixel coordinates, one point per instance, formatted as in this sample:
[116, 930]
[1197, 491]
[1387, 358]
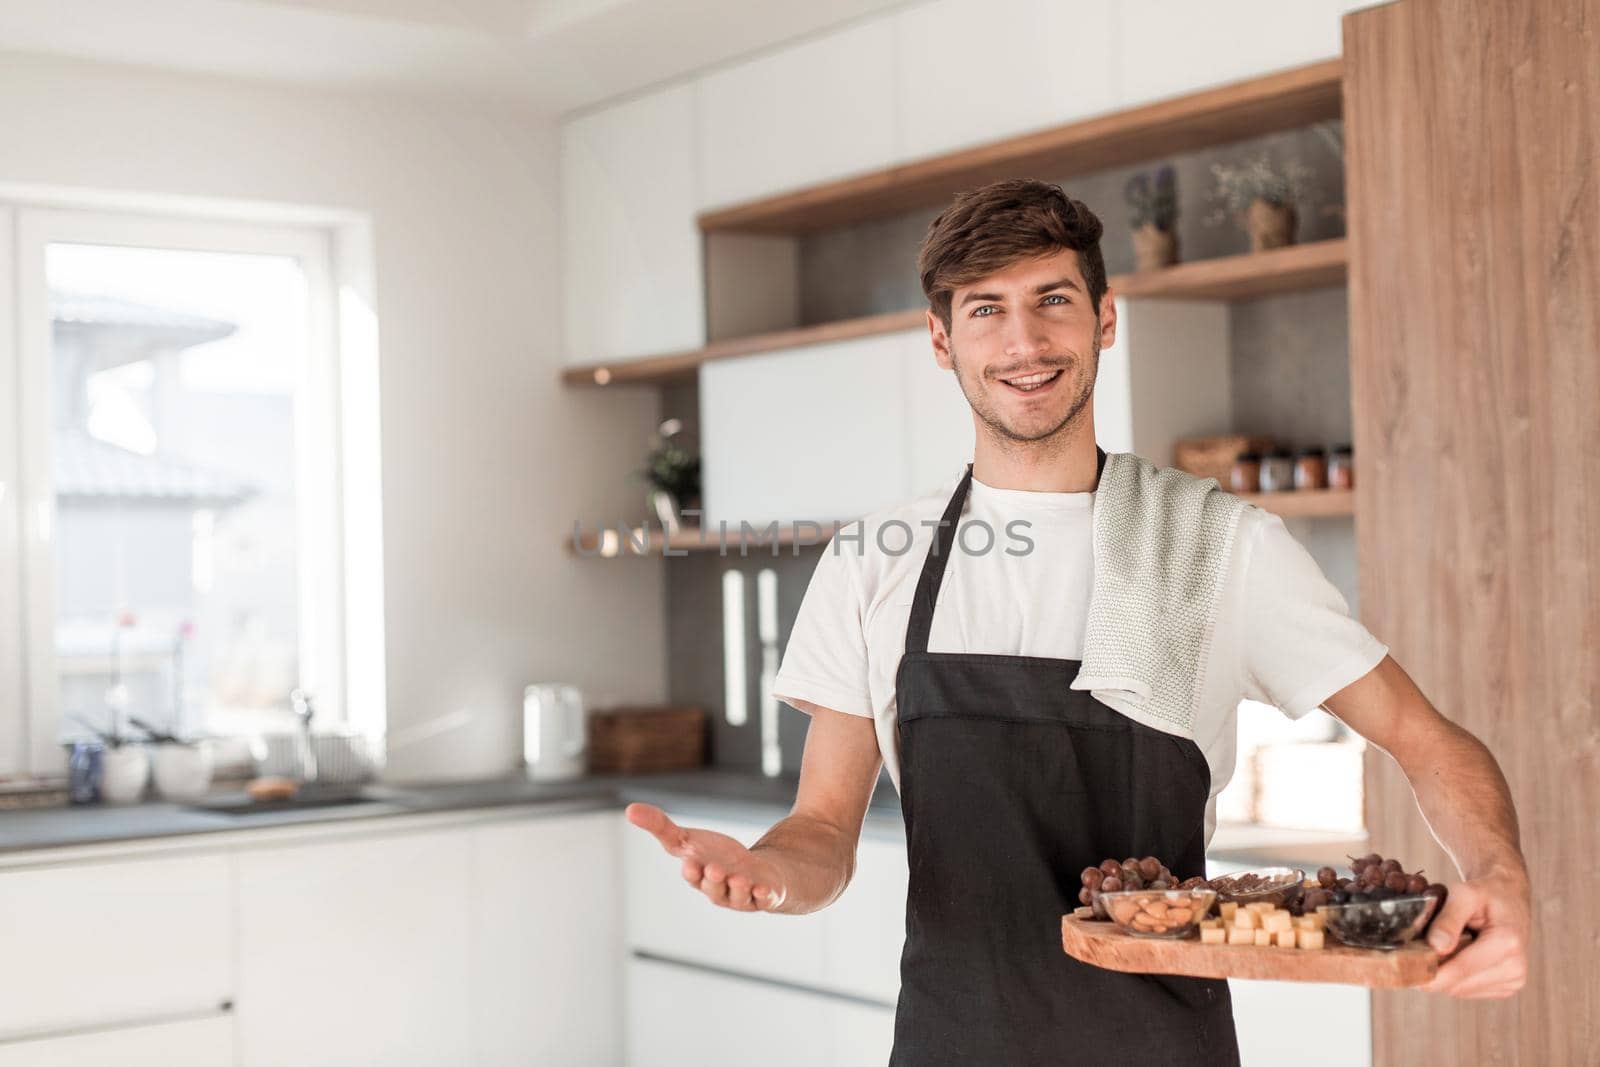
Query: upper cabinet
[631, 252]
[820, 109]
[1043, 64]
[1165, 48]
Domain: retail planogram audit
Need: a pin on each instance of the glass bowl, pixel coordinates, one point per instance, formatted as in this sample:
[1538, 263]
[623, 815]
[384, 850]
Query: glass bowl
[1385, 924]
[1166, 913]
[1278, 886]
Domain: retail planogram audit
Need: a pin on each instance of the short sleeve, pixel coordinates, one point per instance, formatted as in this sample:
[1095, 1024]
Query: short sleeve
[825, 661]
[1298, 644]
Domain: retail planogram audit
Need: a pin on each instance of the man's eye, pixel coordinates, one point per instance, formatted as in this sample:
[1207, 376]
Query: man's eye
[985, 307]
[1057, 296]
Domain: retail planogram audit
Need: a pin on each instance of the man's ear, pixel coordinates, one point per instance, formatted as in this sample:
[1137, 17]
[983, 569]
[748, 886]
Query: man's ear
[941, 341]
[1108, 319]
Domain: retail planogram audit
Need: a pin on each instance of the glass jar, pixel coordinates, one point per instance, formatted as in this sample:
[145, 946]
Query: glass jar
[1246, 474]
[1341, 467]
[1277, 471]
[1310, 469]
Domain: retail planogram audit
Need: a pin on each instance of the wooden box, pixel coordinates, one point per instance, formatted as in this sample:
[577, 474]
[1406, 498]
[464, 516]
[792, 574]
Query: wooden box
[1212, 457]
[640, 740]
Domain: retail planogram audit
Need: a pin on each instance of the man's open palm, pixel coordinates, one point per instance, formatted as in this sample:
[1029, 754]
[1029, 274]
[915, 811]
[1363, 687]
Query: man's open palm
[724, 871]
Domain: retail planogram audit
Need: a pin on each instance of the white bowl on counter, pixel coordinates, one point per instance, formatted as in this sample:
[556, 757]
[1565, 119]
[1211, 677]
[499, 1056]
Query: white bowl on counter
[182, 771]
[124, 772]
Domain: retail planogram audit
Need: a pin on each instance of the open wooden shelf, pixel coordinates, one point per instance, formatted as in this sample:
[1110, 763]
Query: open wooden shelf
[611, 543]
[1235, 112]
[1306, 503]
[1241, 277]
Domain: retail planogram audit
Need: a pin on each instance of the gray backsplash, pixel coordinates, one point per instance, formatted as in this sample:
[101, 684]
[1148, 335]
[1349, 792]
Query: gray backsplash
[1291, 380]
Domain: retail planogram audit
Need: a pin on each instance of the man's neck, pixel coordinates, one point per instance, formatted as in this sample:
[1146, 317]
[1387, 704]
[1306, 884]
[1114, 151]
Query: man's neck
[1069, 464]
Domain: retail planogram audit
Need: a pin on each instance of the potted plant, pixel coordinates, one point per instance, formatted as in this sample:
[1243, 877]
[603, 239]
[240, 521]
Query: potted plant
[1152, 215]
[1261, 198]
[673, 476]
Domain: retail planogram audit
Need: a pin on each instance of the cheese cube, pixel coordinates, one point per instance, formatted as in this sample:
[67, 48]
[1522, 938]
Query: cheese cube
[1245, 920]
[1211, 924]
[1261, 906]
[1228, 907]
[1310, 939]
[1240, 936]
[1213, 935]
[1277, 921]
[1284, 938]
[1263, 937]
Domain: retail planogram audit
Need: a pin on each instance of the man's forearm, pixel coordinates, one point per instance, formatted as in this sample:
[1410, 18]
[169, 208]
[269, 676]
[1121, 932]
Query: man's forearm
[816, 858]
[1465, 799]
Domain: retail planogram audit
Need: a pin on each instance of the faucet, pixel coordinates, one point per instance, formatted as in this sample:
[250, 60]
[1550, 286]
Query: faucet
[300, 703]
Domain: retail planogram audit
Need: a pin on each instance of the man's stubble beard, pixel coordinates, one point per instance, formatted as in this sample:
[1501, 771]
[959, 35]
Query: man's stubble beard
[1061, 430]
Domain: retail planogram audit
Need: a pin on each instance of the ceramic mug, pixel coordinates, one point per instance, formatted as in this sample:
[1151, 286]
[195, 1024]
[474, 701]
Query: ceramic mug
[124, 770]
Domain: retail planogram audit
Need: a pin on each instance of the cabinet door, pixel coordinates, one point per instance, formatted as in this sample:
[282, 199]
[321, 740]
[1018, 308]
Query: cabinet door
[820, 109]
[864, 930]
[105, 943]
[667, 917]
[631, 252]
[547, 942]
[815, 433]
[190, 1043]
[1056, 66]
[683, 1017]
[939, 428]
[1166, 48]
[355, 951]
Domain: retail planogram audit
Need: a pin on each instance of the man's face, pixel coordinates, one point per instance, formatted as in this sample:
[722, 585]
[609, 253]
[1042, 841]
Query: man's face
[1024, 344]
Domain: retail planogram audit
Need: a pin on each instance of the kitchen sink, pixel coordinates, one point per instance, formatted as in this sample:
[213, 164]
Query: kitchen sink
[307, 799]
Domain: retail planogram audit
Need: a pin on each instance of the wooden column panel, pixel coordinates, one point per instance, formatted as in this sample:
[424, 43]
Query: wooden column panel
[1472, 158]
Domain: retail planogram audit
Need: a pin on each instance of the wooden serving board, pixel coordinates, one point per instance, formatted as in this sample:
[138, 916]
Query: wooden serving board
[1105, 945]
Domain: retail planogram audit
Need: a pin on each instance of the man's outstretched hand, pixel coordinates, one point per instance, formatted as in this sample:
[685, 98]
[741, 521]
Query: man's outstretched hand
[724, 871]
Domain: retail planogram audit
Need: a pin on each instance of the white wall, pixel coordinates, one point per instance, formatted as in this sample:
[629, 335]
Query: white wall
[487, 460]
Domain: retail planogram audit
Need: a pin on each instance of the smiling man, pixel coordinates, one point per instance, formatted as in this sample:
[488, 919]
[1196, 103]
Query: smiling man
[1045, 703]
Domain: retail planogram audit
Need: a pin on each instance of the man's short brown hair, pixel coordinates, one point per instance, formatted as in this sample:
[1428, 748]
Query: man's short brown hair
[987, 229]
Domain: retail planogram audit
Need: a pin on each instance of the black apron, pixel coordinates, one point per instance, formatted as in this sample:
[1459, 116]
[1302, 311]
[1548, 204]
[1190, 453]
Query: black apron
[1012, 783]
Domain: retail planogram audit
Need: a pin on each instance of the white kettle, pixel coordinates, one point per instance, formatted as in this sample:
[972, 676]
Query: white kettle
[555, 735]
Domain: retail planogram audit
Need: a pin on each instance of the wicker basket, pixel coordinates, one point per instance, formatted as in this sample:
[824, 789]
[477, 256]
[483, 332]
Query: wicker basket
[638, 740]
[1212, 457]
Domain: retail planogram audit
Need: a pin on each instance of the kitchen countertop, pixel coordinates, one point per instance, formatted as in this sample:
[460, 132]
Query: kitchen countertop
[708, 791]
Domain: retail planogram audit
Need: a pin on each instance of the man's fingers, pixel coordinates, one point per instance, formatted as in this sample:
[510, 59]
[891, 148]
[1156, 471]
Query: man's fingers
[715, 889]
[1463, 907]
[739, 891]
[693, 871]
[654, 821]
[1464, 965]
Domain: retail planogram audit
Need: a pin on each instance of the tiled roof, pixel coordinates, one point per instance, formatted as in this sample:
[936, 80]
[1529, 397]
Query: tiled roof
[87, 469]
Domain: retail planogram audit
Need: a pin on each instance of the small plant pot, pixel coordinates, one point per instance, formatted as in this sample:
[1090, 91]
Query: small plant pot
[182, 772]
[124, 772]
[1154, 248]
[1269, 225]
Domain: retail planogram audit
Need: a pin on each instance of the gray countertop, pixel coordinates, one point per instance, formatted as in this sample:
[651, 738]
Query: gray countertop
[707, 792]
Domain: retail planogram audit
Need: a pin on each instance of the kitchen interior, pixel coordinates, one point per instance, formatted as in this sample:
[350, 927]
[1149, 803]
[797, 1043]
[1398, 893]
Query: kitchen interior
[428, 418]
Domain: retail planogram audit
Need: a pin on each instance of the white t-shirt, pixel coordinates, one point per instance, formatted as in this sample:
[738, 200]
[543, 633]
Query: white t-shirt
[1283, 635]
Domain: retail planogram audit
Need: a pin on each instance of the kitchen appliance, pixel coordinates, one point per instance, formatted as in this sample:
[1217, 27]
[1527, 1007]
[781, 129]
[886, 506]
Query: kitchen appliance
[554, 731]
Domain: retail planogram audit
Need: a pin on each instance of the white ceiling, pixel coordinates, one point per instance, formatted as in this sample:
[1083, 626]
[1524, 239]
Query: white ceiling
[553, 56]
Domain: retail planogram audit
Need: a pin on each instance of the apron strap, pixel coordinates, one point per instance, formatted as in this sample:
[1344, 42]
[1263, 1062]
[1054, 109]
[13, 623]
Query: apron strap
[920, 624]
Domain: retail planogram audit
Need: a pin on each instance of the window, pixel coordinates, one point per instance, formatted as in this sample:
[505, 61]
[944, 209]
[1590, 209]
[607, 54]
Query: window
[185, 408]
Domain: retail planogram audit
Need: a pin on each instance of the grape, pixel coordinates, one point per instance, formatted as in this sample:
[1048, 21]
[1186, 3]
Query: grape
[1131, 880]
[1113, 884]
[1327, 877]
[1150, 868]
[1085, 896]
[1390, 866]
[1416, 884]
[1371, 859]
[1111, 868]
[1131, 861]
[1396, 882]
[1160, 883]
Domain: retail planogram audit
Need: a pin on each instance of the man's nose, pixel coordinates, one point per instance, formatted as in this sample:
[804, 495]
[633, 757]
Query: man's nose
[1026, 336]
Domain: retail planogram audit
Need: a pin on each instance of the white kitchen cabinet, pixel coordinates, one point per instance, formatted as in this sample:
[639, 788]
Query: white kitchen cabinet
[103, 944]
[684, 1017]
[204, 1042]
[864, 930]
[804, 113]
[1166, 48]
[631, 251]
[1166, 377]
[666, 917]
[355, 951]
[1057, 65]
[829, 432]
[547, 942]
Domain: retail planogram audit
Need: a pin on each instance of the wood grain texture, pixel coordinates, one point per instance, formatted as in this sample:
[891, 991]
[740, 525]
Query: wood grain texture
[1472, 151]
[1105, 945]
[1250, 108]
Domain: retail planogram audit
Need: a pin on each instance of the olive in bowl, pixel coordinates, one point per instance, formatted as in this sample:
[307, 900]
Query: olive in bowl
[1387, 923]
[1169, 913]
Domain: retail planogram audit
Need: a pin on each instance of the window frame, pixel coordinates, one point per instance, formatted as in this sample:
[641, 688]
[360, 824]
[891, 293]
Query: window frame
[341, 601]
